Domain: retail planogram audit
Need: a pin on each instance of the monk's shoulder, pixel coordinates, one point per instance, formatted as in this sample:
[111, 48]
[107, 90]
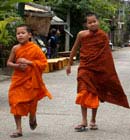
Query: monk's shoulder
[103, 33]
[36, 47]
[34, 44]
[15, 47]
[83, 33]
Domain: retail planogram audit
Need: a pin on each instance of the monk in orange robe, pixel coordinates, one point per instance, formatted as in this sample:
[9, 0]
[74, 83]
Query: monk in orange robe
[97, 77]
[27, 86]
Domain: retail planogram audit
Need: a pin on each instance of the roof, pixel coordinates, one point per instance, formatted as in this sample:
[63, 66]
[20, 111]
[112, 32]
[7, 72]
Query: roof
[57, 21]
[37, 10]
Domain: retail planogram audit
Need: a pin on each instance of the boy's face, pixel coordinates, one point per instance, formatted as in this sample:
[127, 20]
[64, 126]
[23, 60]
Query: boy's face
[22, 35]
[92, 23]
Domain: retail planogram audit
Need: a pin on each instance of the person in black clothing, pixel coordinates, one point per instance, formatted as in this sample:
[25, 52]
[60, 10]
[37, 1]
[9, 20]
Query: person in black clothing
[53, 43]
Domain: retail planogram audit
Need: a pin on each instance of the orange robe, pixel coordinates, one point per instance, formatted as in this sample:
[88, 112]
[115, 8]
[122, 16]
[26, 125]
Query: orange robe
[27, 87]
[97, 77]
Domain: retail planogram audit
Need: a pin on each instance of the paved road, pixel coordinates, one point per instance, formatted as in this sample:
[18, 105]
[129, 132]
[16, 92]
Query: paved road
[57, 117]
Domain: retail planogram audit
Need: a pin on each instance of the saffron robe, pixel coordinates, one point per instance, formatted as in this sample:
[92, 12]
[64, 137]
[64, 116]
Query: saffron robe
[97, 77]
[27, 87]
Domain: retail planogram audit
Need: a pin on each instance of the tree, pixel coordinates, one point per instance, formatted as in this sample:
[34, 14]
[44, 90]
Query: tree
[8, 20]
[77, 9]
[8, 14]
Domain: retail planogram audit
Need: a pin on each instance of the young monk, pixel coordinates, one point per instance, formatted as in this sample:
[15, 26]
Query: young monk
[27, 86]
[97, 78]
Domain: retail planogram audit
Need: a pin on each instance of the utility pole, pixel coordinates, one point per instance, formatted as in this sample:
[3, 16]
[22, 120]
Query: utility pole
[121, 21]
[67, 37]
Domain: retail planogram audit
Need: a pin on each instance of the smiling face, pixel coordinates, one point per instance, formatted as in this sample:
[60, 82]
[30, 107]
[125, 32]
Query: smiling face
[22, 34]
[92, 23]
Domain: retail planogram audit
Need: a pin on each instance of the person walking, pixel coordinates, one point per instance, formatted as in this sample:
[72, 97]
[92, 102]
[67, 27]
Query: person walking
[97, 78]
[27, 86]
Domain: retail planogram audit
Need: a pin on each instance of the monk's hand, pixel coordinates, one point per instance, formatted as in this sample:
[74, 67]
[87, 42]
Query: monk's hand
[68, 69]
[21, 60]
[24, 61]
[22, 66]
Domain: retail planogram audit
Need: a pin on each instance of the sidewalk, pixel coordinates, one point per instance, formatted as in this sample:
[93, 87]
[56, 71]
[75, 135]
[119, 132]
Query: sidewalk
[4, 77]
[57, 118]
[5, 74]
[116, 48]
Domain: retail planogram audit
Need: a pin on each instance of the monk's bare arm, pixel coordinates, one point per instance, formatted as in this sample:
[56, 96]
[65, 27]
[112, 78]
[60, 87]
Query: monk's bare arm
[11, 59]
[12, 62]
[73, 53]
[74, 49]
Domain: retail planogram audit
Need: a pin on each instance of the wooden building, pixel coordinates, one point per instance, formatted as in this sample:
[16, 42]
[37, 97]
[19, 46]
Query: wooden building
[38, 17]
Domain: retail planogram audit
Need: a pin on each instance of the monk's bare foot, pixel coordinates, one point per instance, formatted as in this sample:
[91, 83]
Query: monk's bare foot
[32, 122]
[93, 126]
[81, 128]
[16, 134]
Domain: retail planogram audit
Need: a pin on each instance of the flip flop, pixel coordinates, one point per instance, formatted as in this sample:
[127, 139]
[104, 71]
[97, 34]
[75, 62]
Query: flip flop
[16, 135]
[93, 126]
[81, 128]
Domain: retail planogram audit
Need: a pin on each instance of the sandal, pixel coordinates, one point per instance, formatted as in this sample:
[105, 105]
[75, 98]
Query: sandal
[81, 128]
[93, 126]
[33, 125]
[16, 135]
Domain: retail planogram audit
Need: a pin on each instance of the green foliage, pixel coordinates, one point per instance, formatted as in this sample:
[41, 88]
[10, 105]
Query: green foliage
[6, 38]
[104, 8]
[8, 7]
[104, 25]
[78, 9]
[11, 3]
[9, 18]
